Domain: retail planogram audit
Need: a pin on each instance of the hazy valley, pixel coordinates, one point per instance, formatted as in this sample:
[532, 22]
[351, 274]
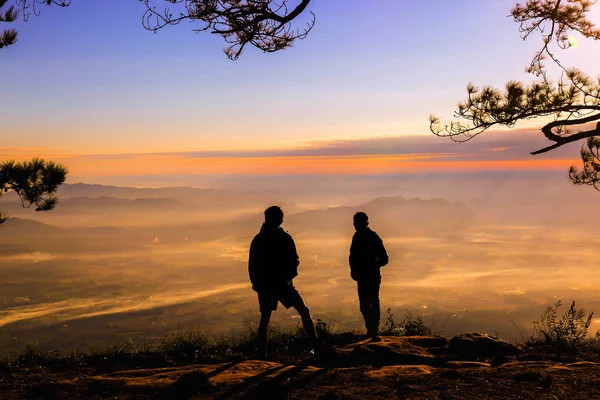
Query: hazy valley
[113, 262]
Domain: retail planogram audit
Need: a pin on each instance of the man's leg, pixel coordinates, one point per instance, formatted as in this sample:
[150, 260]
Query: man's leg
[307, 322]
[375, 307]
[265, 316]
[364, 302]
[368, 294]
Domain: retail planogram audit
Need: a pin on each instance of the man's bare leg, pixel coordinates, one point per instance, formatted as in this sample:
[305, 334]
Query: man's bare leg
[307, 322]
[265, 317]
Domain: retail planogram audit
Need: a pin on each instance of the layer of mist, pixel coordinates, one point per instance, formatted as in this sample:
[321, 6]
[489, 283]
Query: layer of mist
[468, 252]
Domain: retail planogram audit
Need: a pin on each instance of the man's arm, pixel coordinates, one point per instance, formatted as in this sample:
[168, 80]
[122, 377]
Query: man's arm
[382, 255]
[253, 263]
[294, 252]
[294, 258]
[355, 266]
[351, 257]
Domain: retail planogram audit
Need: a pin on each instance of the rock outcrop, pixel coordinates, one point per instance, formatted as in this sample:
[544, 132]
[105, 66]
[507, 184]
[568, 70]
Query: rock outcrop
[422, 350]
[477, 346]
[395, 367]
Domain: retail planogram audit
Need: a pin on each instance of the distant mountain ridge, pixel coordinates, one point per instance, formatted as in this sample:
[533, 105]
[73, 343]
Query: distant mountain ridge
[89, 200]
[15, 226]
[388, 215]
[95, 190]
[99, 205]
[118, 201]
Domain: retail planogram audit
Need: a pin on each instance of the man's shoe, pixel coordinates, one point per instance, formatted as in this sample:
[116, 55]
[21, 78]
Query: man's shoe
[376, 338]
[372, 333]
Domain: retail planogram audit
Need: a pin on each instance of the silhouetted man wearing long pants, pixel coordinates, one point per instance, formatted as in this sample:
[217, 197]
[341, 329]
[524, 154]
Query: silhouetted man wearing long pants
[272, 265]
[367, 256]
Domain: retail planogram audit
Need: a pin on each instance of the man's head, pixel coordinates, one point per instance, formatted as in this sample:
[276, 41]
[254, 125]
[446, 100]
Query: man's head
[274, 216]
[361, 221]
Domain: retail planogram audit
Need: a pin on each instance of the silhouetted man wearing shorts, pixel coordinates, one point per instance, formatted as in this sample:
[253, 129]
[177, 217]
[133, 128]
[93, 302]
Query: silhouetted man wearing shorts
[367, 256]
[272, 265]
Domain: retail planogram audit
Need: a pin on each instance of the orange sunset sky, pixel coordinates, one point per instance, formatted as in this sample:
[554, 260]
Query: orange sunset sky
[352, 98]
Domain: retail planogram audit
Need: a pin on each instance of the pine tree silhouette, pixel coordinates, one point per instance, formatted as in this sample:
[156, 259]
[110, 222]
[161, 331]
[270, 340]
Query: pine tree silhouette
[35, 182]
[573, 101]
[10, 12]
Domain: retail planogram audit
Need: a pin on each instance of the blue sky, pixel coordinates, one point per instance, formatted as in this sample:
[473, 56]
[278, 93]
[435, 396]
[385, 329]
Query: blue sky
[89, 79]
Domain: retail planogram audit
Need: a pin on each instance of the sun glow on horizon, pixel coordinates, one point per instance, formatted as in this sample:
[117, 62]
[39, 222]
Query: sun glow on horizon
[167, 164]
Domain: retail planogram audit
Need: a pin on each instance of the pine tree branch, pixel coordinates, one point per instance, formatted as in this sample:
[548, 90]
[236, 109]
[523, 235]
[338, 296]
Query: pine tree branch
[561, 141]
[264, 24]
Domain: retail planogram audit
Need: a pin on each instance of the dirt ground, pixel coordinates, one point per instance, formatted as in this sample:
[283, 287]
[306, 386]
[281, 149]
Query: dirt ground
[370, 371]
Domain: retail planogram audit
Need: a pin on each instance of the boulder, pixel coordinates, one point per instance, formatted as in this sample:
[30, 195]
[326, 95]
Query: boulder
[394, 350]
[477, 346]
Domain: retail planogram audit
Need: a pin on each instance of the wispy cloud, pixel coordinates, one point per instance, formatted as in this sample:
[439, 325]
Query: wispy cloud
[372, 155]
